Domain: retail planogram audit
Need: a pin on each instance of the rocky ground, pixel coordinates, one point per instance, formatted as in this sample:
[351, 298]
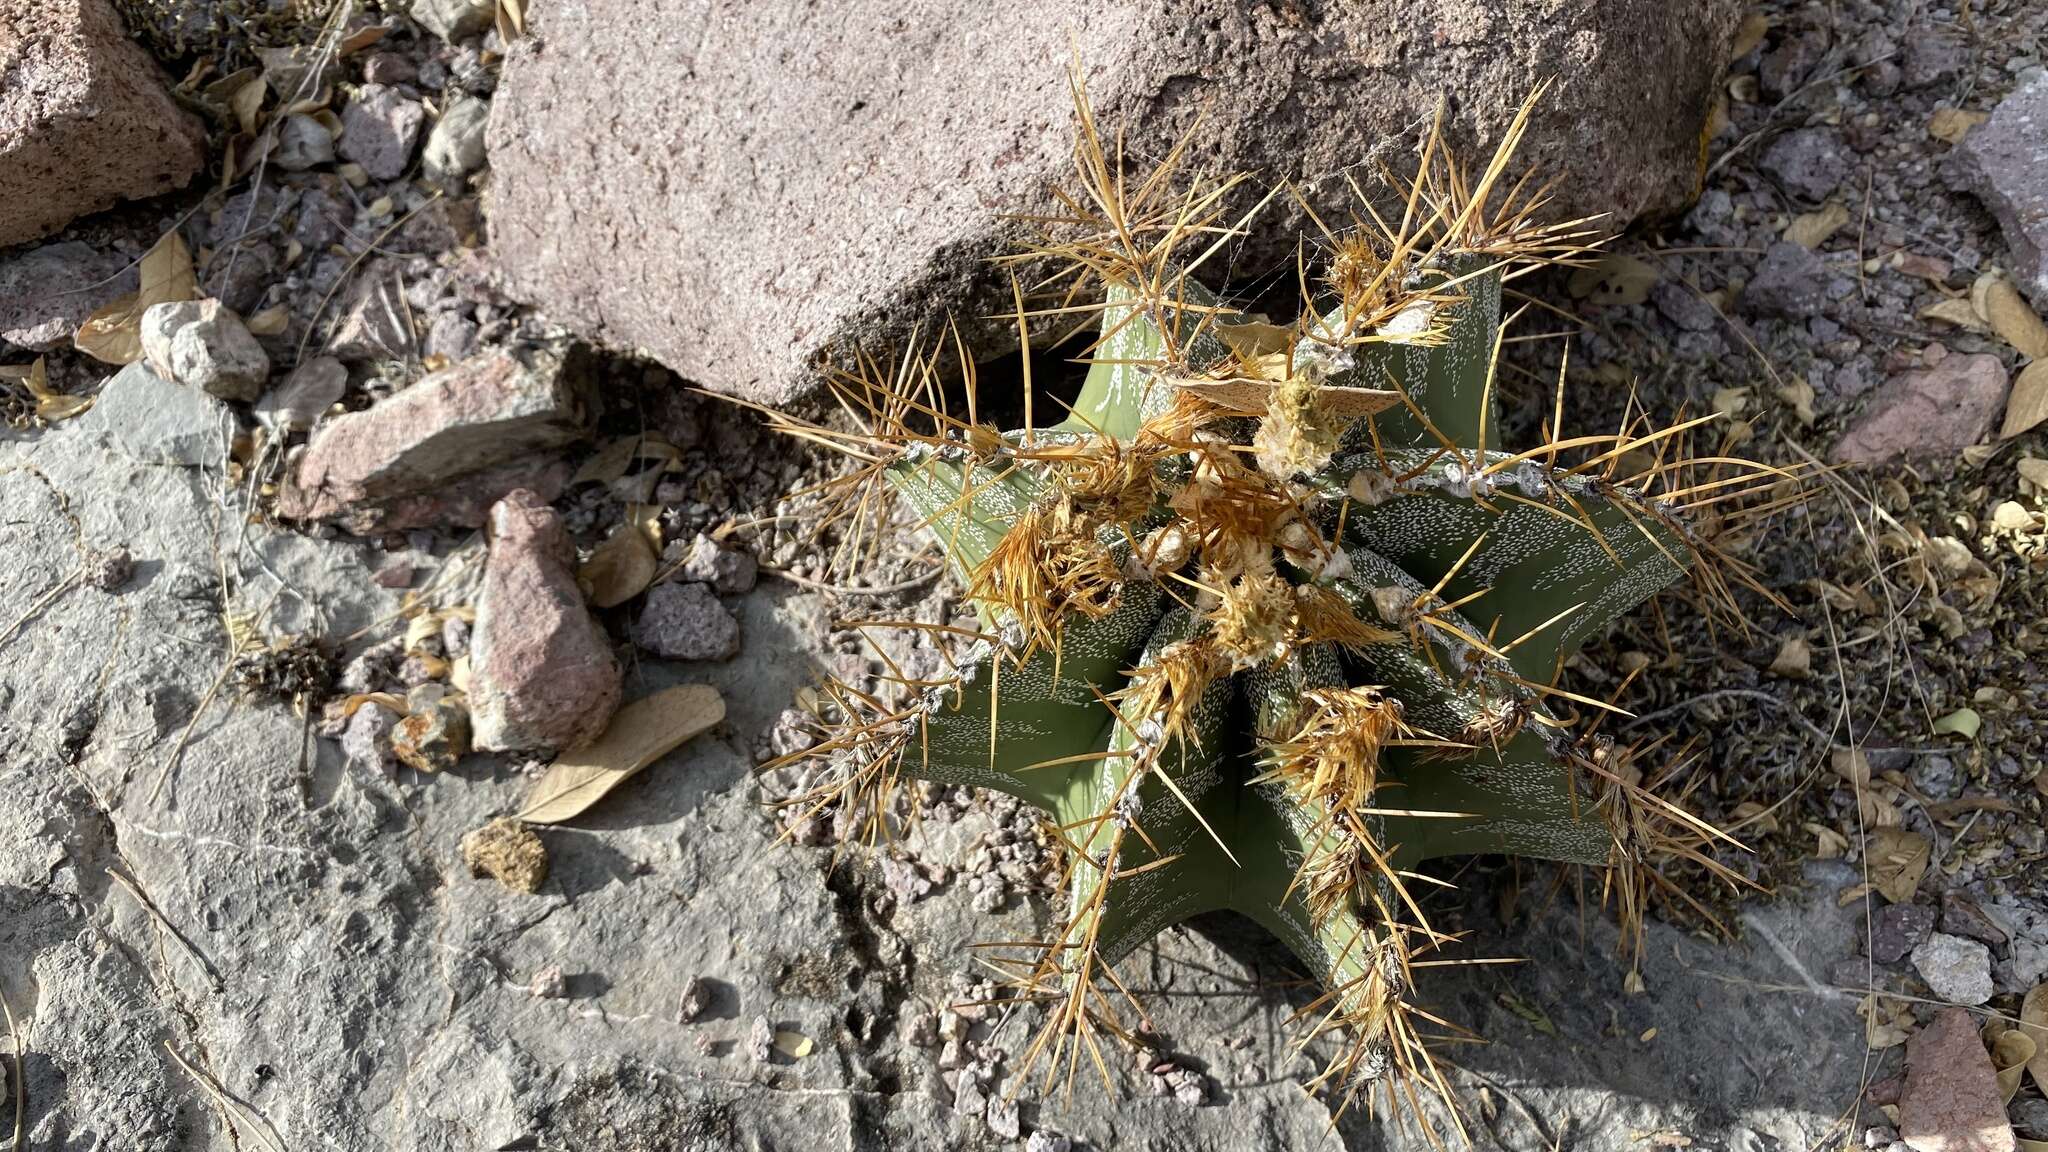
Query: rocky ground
[319, 535]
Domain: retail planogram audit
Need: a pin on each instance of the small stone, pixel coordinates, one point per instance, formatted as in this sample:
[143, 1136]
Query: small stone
[395, 573]
[1931, 57]
[2030, 1117]
[1789, 281]
[157, 422]
[302, 143]
[1956, 970]
[455, 148]
[1962, 916]
[1951, 1100]
[290, 71]
[686, 622]
[2004, 163]
[109, 569]
[728, 570]
[1897, 929]
[1683, 307]
[298, 403]
[379, 129]
[323, 219]
[1879, 1136]
[489, 412]
[968, 1097]
[1003, 1122]
[1045, 1140]
[366, 742]
[435, 732]
[1809, 162]
[760, 1040]
[203, 345]
[453, 20]
[388, 68]
[375, 324]
[450, 336]
[550, 983]
[1784, 68]
[542, 674]
[696, 999]
[1943, 407]
[509, 851]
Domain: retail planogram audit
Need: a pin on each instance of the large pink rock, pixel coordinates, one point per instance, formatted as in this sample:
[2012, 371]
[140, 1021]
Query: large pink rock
[541, 670]
[85, 120]
[1951, 1101]
[443, 450]
[1944, 406]
[737, 185]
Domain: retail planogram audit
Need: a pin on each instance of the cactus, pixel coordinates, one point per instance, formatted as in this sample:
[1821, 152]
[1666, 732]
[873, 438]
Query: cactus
[1273, 615]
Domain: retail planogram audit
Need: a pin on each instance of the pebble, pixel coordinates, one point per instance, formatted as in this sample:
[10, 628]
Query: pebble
[509, 851]
[550, 983]
[686, 622]
[302, 143]
[298, 403]
[203, 345]
[453, 20]
[729, 571]
[1956, 970]
[366, 742]
[1809, 162]
[1790, 281]
[1946, 405]
[435, 732]
[2030, 1116]
[380, 128]
[1962, 916]
[1045, 1140]
[1897, 929]
[696, 998]
[455, 148]
[1003, 1121]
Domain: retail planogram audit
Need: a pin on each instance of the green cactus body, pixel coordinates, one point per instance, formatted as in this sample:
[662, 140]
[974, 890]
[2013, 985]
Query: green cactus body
[1269, 655]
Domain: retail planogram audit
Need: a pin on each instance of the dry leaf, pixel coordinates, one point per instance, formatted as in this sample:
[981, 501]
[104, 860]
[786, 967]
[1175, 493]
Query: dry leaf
[1794, 659]
[641, 733]
[615, 459]
[620, 568]
[51, 405]
[2010, 1052]
[360, 39]
[2015, 323]
[1613, 279]
[1852, 765]
[2028, 404]
[1748, 35]
[794, 1045]
[1950, 125]
[1882, 1026]
[270, 321]
[1799, 394]
[1812, 229]
[1897, 858]
[2034, 1022]
[1246, 397]
[1254, 338]
[510, 19]
[1956, 311]
[1828, 844]
[1962, 722]
[1731, 402]
[113, 335]
[2034, 470]
[248, 104]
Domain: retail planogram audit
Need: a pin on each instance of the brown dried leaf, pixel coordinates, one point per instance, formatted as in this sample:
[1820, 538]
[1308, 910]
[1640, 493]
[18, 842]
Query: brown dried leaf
[1828, 844]
[1794, 659]
[620, 568]
[1748, 35]
[1956, 311]
[1613, 279]
[1799, 394]
[1950, 125]
[641, 733]
[361, 38]
[2015, 323]
[2034, 1022]
[270, 321]
[113, 335]
[2011, 1049]
[2034, 470]
[247, 103]
[1897, 858]
[1812, 229]
[2028, 404]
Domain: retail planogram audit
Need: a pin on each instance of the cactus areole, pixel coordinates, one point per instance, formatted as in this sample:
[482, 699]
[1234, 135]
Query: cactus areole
[1273, 615]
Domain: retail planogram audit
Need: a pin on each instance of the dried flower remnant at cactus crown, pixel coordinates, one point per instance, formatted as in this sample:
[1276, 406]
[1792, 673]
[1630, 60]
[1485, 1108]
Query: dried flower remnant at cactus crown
[1273, 614]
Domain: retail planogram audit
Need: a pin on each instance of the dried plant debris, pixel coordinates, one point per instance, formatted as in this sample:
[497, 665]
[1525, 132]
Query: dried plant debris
[507, 851]
[1276, 614]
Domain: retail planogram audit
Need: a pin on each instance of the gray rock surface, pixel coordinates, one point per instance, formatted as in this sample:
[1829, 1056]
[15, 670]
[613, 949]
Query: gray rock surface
[155, 421]
[2004, 163]
[380, 127]
[46, 292]
[1956, 970]
[614, 210]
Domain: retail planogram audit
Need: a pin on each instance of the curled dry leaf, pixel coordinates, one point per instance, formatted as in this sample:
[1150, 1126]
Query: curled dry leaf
[2007, 313]
[51, 405]
[1613, 279]
[617, 458]
[794, 1045]
[1956, 311]
[2010, 1051]
[2034, 1022]
[1962, 722]
[1897, 858]
[618, 569]
[1828, 844]
[1950, 125]
[641, 733]
[2028, 404]
[1799, 394]
[270, 321]
[1749, 35]
[247, 102]
[113, 335]
[1812, 229]
[1794, 660]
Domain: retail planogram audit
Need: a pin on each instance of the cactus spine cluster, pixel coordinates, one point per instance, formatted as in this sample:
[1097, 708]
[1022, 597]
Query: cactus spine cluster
[1273, 615]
